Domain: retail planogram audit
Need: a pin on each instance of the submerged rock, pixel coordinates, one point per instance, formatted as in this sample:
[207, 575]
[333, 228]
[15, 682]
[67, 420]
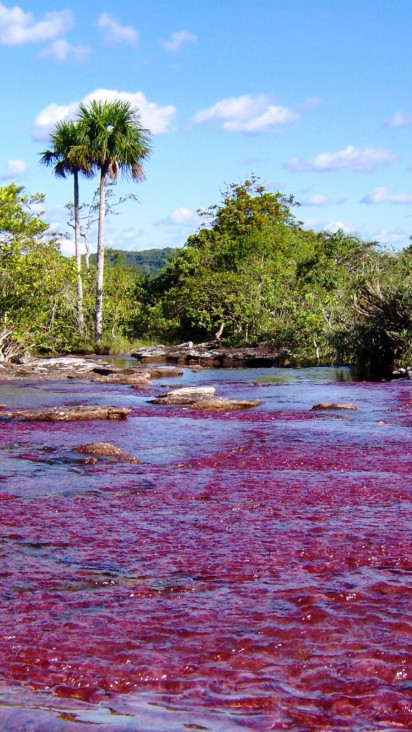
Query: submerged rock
[228, 405]
[66, 414]
[105, 449]
[334, 405]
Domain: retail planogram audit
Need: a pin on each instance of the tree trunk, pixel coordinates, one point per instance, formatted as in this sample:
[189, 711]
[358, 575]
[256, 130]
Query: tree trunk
[100, 256]
[87, 253]
[80, 320]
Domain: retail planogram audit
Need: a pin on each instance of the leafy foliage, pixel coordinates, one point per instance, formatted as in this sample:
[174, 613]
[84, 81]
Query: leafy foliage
[250, 273]
[37, 296]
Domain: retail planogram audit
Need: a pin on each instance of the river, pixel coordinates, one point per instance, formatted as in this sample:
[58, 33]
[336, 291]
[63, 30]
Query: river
[253, 572]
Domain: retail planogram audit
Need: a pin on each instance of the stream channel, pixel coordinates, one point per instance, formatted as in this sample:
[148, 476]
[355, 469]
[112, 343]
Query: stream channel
[252, 572]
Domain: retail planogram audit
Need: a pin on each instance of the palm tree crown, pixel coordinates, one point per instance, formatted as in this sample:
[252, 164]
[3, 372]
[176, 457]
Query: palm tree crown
[65, 152]
[114, 137]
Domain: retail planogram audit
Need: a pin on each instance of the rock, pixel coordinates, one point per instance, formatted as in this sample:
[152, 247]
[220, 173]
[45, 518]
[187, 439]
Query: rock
[213, 355]
[63, 363]
[228, 405]
[53, 368]
[127, 379]
[166, 373]
[334, 405]
[202, 397]
[105, 449]
[128, 376]
[186, 395]
[151, 353]
[399, 373]
[66, 414]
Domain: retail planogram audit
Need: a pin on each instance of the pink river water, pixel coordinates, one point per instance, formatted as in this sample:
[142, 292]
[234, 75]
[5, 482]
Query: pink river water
[253, 572]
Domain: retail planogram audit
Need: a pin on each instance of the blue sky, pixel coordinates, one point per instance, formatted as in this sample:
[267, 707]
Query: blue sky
[313, 96]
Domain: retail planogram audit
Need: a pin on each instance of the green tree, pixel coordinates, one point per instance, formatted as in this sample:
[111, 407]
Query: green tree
[112, 135]
[37, 284]
[253, 273]
[69, 158]
[227, 279]
[19, 221]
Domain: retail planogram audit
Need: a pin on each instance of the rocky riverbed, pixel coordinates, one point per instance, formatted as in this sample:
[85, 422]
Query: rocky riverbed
[189, 568]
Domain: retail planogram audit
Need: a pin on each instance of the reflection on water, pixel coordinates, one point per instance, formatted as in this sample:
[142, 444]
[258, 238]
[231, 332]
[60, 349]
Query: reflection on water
[252, 572]
[309, 375]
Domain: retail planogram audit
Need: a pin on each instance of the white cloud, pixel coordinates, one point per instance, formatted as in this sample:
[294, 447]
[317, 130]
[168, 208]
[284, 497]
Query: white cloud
[114, 32]
[14, 169]
[391, 237]
[334, 226]
[18, 28]
[49, 116]
[310, 223]
[358, 161]
[62, 50]
[154, 117]
[67, 247]
[177, 40]
[181, 217]
[318, 199]
[385, 195]
[253, 115]
[399, 119]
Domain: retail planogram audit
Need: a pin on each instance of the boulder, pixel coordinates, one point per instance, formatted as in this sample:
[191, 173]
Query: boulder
[165, 373]
[130, 379]
[66, 414]
[105, 449]
[334, 405]
[203, 397]
[186, 395]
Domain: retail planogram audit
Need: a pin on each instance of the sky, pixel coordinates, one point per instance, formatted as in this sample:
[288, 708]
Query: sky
[312, 96]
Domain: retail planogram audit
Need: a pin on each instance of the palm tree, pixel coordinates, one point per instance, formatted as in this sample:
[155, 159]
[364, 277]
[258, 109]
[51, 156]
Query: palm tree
[112, 135]
[70, 159]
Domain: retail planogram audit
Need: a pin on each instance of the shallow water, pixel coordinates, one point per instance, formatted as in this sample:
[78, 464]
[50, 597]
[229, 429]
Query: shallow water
[253, 572]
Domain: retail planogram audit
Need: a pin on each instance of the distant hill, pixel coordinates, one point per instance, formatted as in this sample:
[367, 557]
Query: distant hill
[148, 261]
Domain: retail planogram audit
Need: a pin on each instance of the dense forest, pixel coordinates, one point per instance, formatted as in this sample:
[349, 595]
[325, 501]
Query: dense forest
[148, 261]
[251, 273]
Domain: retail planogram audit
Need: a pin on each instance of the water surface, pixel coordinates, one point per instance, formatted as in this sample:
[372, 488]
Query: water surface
[253, 572]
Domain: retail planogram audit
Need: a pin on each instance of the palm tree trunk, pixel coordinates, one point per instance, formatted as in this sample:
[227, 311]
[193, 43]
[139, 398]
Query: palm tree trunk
[80, 320]
[100, 256]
